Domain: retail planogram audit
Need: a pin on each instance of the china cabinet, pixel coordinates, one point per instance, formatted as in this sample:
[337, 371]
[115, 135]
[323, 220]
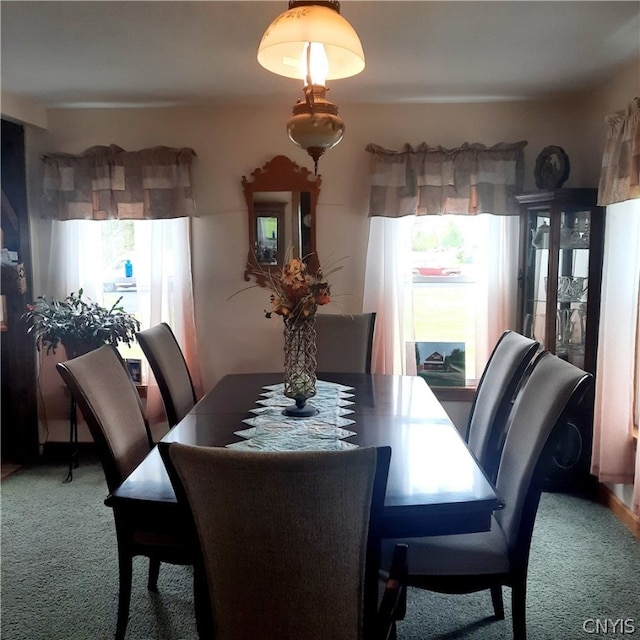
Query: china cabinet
[561, 246]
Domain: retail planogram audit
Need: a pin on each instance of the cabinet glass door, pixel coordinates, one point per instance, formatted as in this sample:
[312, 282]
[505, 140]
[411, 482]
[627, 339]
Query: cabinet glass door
[556, 280]
[536, 275]
[572, 285]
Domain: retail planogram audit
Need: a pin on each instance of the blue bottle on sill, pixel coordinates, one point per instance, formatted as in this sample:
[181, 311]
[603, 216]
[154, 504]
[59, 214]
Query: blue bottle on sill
[128, 269]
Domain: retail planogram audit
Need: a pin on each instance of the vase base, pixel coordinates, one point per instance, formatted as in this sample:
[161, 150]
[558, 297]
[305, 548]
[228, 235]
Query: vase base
[295, 411]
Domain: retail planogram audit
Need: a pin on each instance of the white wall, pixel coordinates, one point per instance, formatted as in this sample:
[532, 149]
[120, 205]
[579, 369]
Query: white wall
[19, 109]
[231, 142]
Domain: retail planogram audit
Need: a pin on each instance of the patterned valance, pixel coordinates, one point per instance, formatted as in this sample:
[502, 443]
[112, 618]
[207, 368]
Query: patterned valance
[468, 180]
[108, 182]
[620, 174]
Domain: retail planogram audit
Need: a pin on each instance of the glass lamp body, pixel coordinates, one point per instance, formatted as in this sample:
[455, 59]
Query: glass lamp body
[315, 130]
[316, 125]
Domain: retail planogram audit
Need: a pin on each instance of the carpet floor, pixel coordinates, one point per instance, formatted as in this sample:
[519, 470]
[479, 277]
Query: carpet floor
[59, 573]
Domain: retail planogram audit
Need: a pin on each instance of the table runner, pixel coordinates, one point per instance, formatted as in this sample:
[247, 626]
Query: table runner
[270, 430]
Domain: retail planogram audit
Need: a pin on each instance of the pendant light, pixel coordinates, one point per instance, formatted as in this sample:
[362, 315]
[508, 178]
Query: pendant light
[311, 41]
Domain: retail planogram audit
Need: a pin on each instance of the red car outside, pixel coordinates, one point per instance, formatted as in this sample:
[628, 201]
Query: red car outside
[436, 271]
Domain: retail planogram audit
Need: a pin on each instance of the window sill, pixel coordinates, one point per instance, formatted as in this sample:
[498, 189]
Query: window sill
[454, 394]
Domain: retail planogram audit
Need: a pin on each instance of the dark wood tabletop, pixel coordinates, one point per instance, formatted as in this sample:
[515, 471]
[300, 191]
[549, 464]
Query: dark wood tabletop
[435, 485]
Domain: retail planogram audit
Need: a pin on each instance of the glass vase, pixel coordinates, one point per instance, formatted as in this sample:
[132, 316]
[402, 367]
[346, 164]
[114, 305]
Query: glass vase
[300, 364]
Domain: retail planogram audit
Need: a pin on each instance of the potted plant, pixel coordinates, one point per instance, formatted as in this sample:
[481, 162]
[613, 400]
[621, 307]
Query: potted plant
[79, 324]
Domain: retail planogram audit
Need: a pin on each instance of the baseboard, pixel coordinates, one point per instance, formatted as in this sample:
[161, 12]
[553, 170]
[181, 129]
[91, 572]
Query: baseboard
[619, 509]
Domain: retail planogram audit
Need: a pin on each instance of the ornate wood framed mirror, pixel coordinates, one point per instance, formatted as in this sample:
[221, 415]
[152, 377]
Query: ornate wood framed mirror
[281, 201]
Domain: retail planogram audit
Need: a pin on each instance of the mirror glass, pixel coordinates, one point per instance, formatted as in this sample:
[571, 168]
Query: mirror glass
[281, 201]
[269, 227]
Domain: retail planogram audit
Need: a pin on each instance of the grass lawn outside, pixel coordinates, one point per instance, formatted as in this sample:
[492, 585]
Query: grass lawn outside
[445, 312]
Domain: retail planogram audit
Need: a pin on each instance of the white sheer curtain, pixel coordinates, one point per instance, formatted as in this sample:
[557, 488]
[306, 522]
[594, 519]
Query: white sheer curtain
[389, 289]
[75, 259]
[617, 401]
[496, 272]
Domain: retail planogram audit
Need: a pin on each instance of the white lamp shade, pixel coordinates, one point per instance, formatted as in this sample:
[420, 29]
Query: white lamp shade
[283, 43]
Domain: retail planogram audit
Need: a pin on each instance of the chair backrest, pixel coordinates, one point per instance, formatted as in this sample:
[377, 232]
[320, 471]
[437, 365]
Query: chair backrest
[551, 387]
[107, 397]
[494, 397]
[169, 367]
[344, 342]
[284, 537]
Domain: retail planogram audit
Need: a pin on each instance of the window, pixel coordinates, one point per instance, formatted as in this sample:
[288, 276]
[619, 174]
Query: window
[143, 265]
[463, 277]
[443, 259]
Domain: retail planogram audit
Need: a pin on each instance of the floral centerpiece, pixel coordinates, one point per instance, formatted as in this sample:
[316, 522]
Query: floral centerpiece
[296, 294]
[79, 324]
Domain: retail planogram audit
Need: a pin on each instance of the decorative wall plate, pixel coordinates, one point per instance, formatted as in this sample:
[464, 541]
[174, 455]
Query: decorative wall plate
[552, 168]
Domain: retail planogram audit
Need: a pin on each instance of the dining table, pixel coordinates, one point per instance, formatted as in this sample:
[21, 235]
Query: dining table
[435, 485]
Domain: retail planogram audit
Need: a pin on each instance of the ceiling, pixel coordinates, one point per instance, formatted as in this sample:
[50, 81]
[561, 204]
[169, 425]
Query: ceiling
[101, 53]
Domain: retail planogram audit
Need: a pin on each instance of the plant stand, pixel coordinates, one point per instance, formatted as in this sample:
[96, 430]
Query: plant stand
[74, 452]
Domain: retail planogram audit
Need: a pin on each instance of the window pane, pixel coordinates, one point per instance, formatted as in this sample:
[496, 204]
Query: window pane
[118, 276]
[444, 250]
[128, 260]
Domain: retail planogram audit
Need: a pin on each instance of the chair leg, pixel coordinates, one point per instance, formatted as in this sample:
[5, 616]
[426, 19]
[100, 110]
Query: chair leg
[519, 611]
[125, 565]
[401, 611]
[154, 572]
[498, 604]
[202, 603]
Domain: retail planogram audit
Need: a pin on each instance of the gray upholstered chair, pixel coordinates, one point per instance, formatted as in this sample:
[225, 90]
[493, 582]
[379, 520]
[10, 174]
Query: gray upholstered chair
[170, 370]
[288, 540]
[494, 397]
[344, 342]
[489, 560]
[105, 394]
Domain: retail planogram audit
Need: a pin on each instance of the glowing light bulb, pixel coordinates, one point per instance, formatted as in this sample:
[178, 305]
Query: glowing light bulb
[315, 55]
